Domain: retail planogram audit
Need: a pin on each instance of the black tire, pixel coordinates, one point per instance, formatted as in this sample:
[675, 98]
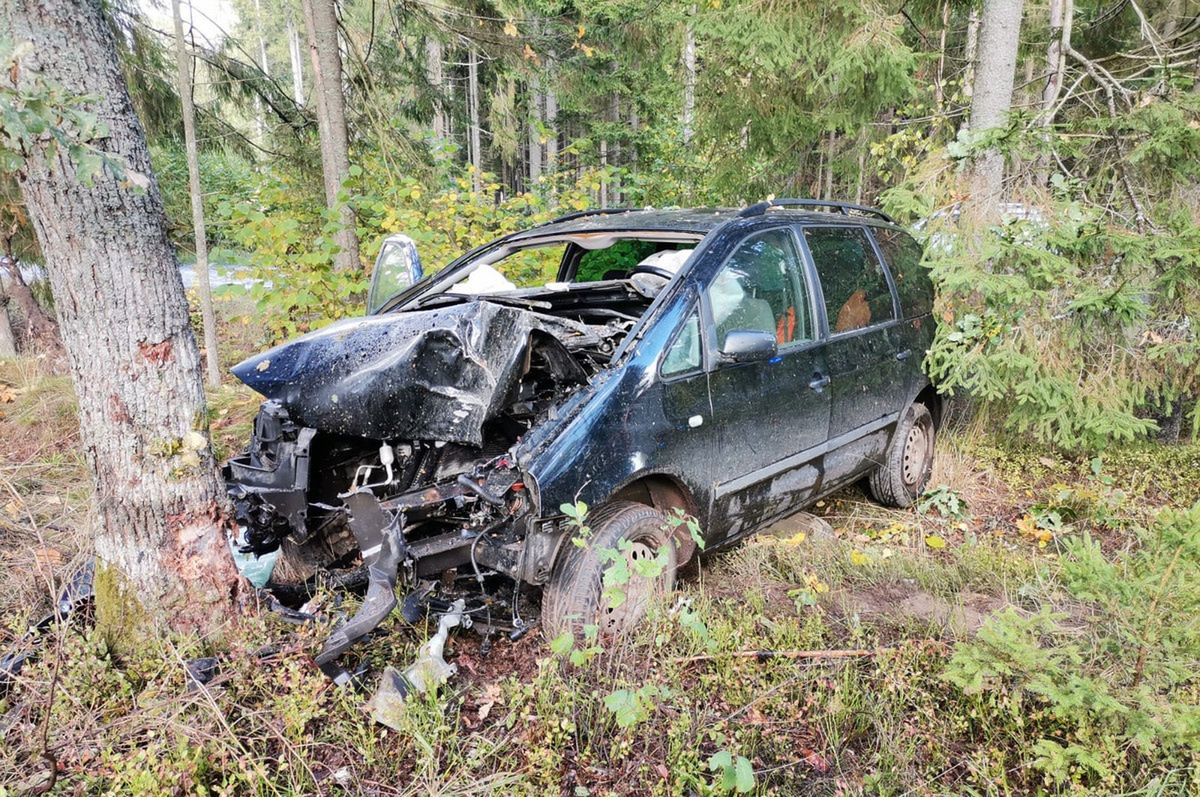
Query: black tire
[908, 462]
[572, 598]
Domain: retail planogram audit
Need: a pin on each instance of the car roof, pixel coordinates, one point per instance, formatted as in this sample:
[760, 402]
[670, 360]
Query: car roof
[700, 221]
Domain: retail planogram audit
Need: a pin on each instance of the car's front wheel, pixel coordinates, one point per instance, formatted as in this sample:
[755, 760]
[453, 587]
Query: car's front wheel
[908, 462]
[626, 538]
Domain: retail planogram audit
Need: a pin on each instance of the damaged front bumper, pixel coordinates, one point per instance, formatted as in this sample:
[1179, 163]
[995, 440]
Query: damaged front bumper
[481, 518]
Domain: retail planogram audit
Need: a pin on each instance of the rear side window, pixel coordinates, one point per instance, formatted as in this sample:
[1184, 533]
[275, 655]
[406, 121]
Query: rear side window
[855, 285]
[760, 289]
[903, 256]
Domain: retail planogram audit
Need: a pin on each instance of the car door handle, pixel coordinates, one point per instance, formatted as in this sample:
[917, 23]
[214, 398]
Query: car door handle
[818, 382]
[904, 355]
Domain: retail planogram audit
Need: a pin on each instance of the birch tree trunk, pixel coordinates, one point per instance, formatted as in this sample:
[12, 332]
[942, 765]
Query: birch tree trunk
[1062, 12]
[435, 74]
[689, 79]
[473, 110]
[297, 62]
[535, 130]
[551, 124]
[203, 289]
[161, 512]
[999, 38]
[320, 18]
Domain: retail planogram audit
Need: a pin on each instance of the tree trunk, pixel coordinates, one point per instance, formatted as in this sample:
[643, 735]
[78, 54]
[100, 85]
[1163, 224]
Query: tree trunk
[473, 109]
[161, 512]
[939, 90]
[209, 318]
[829, 171]
[551, 125]
[535, 130]
[41, 330]
[688, 119]
[8, 343]
[970, 50]
[1062, 12]
[297, 62]
[999, 38]
[320, 18]
[261, 120]
[437, 80]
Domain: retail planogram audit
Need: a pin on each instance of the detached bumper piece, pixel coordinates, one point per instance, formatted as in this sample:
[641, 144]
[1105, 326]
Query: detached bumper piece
[381, 540]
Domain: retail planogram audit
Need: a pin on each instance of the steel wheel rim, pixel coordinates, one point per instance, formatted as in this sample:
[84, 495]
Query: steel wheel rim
[638, 591]
[916, 455]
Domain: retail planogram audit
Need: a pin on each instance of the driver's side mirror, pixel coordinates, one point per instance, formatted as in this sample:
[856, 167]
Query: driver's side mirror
[748, 345]
[397, 268]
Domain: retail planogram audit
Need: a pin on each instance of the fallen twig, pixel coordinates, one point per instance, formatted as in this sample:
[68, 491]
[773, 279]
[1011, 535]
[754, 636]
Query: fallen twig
[762, 655]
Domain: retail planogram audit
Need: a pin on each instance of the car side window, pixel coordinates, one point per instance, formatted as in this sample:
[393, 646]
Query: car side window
[683, 355]
[760, 289]
[903, 255]
[856, 289]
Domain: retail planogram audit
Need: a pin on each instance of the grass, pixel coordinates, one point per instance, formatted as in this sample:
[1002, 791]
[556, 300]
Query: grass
[956, 681]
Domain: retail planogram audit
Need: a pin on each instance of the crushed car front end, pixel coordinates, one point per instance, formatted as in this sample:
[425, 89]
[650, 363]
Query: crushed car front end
[387, 439]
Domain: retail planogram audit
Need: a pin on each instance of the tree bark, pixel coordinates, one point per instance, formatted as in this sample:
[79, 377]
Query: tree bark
[161, 514]
[297, 62]
[999, 38]
[320, 18]
[203, 289]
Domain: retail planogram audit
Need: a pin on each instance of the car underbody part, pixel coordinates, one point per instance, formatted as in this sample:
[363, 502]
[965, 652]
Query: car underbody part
[386, 441]
[429, 671]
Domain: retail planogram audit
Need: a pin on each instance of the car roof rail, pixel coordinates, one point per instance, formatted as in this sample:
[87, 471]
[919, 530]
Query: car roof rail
[845, 208]
[579, 214]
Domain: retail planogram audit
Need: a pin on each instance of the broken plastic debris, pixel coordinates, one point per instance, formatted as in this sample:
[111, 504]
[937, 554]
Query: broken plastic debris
[428, 672]
[255, 569]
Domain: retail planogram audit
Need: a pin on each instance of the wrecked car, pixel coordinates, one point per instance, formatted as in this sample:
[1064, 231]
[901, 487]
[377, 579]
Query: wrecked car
[732, 365]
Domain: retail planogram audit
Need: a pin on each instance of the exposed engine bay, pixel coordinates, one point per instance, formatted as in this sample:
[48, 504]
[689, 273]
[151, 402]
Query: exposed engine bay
[384, 443]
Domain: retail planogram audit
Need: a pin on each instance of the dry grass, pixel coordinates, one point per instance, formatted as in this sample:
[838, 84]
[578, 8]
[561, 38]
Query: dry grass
[45, 493]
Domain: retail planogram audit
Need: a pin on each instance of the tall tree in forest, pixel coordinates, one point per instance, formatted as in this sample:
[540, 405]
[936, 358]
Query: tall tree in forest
[160, 524]
[297, 63]
[995, 71]
[320, 18]
[203, 289]
[688, 118]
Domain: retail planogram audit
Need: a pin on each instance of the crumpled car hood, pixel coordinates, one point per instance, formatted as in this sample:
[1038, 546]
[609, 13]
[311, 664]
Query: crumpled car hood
[428, 375]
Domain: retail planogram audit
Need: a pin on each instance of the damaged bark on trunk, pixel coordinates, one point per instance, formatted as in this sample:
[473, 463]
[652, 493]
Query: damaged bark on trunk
[161, 510]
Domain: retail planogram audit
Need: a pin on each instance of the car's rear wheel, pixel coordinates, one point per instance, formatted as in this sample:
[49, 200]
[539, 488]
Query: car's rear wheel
[908, 462]
[574, 597]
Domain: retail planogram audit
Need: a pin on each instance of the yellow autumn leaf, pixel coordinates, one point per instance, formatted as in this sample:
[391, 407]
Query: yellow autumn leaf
[935, 542]
[858, 558]
[510, 28]
[580, 31]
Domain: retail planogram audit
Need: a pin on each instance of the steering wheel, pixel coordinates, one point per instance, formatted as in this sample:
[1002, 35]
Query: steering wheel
[657, 271]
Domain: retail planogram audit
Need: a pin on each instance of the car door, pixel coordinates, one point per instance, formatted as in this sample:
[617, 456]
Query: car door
[770, 416]
[865, 377]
